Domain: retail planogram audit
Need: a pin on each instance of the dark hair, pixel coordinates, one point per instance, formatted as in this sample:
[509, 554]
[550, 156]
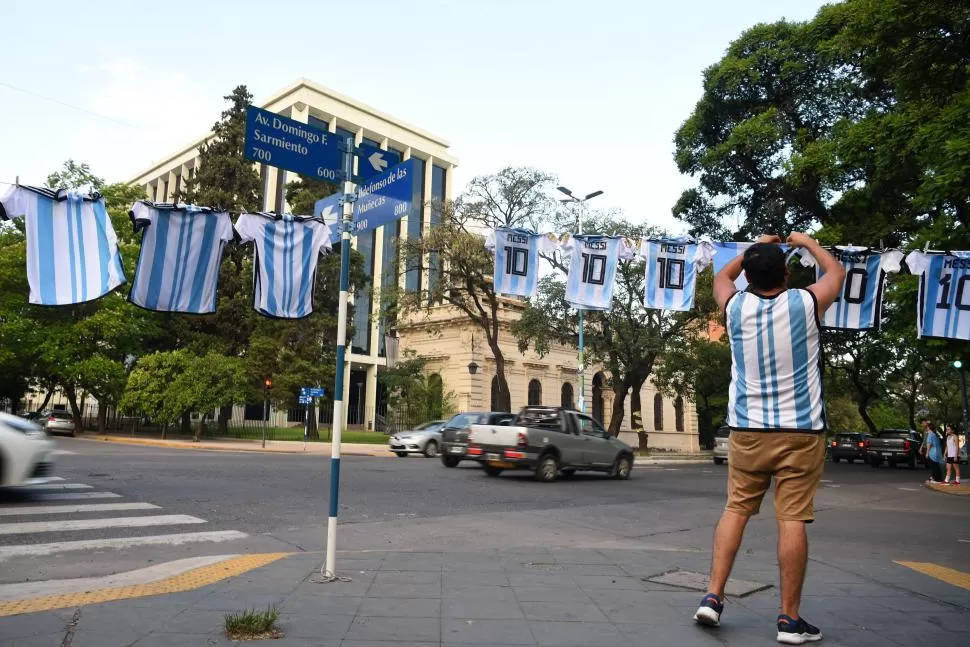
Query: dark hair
[764, 265]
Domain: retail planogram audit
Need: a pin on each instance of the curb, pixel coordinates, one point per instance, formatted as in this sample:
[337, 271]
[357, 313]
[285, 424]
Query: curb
[673, 461]
[953, 490]
[175, 444]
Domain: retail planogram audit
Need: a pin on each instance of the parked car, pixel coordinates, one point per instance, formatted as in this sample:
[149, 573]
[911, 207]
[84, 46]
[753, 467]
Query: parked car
[550, 441]
[26, 453]
[721, 438]
[894, 446]
[454, 435]
[58, 422]
[423, 439]
[848, 447]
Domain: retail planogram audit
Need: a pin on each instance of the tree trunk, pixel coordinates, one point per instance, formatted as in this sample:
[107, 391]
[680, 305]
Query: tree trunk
[225, 414]
[186, 424]
[102, 417]
[71, 392]
[313, 431]
[637, 413]
[164, 429]
[864, 413]
[619, 404]
[47, 399]
[504, 401]
[200, 429]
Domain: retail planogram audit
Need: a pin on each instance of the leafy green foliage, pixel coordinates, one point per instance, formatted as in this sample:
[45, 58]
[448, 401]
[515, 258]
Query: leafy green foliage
[414, 391]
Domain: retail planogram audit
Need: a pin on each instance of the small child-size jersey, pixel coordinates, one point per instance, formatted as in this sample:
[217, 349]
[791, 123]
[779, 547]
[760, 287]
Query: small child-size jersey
[181, 251]
[287, 249]
[517, 259]
[776, 357]
[592, 269]
[944, 294]
[72, 248]
[859, 304]
[671, 270]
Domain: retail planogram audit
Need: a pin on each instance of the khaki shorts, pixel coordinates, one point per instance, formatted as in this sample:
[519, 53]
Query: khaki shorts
[795, 460]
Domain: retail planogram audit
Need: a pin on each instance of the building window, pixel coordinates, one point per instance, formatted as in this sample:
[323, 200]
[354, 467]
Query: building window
[567, 396]
[178, 188]
[389, 232]
[494, 404]
[535, 393]
[412, 277]
[165, 192]
[362, 300]
[158, 186]
[438, 175]
[679, 414]
[658, 412]
[598, 380]
[318, 123]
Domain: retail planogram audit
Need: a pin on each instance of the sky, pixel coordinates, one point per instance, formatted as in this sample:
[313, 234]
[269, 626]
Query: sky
[592, 92]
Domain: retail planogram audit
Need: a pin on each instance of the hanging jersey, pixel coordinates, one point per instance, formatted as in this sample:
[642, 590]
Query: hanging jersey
[181, 251]
[944, 294]
[724, 253]
[287, 249]
[517, 259]
[671, 270]
[592, 269]
[776, 362]
[859, 305]
[72, 248]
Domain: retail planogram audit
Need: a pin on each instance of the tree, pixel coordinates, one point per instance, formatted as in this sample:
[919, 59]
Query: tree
[629, 339]
[77, 177]
[415, 394]
[513, 197]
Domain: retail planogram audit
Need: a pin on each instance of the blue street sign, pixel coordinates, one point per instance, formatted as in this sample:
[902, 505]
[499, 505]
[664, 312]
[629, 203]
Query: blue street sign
[385, 198]
[330, 211]
[304, 400]
[291, 145]
[372, 161]
[311, 392]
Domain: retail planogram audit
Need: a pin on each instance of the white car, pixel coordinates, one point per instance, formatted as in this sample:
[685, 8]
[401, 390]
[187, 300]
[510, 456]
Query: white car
[26, 454]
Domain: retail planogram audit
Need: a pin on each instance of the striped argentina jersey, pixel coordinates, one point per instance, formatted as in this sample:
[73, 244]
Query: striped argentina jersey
[944, 294]
[776, 357]
[72, 248]
[181, 251]
[671, 271]
[517, 259]
[287, 249]
[592, 269]
[859, 305]
[725, 252]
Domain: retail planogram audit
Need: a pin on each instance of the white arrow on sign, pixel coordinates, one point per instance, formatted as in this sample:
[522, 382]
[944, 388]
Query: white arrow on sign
[329, 214]
[377, 161]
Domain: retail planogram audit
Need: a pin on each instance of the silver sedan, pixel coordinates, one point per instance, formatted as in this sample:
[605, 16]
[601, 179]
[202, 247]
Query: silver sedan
[423, 439]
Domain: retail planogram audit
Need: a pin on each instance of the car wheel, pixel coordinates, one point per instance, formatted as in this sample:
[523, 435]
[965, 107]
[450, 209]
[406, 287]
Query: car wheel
[491, 470]
[548, 468]
[401, 454]
[836, 459]
[719, 461]
[431, 449]
[622, 467]
[567, 472]
[449, 461]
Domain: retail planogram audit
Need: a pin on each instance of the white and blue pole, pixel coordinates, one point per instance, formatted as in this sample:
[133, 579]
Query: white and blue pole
[330, 569]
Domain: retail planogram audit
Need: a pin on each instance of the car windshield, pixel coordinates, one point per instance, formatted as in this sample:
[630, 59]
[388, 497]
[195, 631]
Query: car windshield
[847, 436]
[60, 415]
[463, 420]
[434, 424]
[894, 433]
[20, 425]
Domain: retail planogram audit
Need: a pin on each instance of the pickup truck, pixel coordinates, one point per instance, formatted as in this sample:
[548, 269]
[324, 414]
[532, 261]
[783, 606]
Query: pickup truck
[549, 441]
[894, 446]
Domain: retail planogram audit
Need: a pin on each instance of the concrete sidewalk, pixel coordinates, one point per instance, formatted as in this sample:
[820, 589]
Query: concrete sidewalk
[558, 598]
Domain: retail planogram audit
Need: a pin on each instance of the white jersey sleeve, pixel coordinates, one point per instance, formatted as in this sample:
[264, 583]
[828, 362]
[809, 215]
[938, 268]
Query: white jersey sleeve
[917, 262]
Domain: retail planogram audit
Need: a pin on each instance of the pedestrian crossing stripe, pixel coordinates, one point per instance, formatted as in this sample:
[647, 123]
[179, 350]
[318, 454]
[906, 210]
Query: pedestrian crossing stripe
[942, 573]
[69, 525]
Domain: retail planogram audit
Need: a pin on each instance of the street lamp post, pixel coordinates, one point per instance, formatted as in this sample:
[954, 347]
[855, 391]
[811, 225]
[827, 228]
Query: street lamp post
[581, 374]
[958, 365]
[267, 385]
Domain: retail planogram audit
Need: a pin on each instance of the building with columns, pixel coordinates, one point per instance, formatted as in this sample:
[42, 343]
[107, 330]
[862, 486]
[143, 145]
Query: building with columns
[323, 108]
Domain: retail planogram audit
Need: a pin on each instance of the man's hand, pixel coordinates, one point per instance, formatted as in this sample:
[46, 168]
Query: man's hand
[827, 288]
[769, 238]
[799, 239]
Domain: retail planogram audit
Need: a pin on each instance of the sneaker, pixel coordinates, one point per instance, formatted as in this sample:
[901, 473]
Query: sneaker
[796, 632]
[957, 482]
[709, 613]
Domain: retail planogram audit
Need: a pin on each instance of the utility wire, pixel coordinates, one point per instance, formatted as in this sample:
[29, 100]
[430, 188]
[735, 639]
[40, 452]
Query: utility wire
[70, 105]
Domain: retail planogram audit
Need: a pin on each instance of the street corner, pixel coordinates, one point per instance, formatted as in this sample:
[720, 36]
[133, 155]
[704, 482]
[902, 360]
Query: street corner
[959, 490]
[161, 579]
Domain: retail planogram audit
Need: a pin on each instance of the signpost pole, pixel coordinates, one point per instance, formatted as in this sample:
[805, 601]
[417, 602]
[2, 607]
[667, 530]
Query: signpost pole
[581, 376]
[330, 570]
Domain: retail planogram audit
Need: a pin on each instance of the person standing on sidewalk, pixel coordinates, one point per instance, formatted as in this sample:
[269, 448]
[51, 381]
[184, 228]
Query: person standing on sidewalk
[933, 451]
[952, 455]
[776, 415]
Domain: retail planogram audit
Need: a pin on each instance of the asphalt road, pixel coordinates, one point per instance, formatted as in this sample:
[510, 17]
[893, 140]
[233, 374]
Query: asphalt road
[248, 502]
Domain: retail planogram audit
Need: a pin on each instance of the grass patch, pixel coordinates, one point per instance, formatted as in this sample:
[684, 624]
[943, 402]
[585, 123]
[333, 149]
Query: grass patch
[252, 624]
[295, 434]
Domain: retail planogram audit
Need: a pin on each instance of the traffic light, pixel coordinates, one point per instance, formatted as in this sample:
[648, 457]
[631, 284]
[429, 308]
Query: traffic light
[268, 383]
[957, 364]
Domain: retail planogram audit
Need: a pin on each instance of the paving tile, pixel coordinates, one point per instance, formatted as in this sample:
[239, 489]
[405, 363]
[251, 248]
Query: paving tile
[239, 601]
[352, 588]
[395, 629]
[396, 643]
[592, 582]
[180, 640]
[401, 607]
[486, 632]
[414, 562]
[481, 609]
[541, 579]
[31, 624]
[550, 594]
[581, 557]
[459, 578]
[474, 592]
[407, 577]
[567, 611]
[578, 634]
[307, 603]
[289, 641]
[679, 635]
[324, 626]
[579, 571]
[404, 591]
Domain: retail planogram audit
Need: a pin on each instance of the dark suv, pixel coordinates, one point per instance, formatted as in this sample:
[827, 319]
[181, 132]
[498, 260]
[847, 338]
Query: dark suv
[849, 447]
[454, 435]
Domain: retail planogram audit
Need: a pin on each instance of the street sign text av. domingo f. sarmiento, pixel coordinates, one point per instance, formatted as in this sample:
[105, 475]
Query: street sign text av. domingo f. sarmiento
[292, 145]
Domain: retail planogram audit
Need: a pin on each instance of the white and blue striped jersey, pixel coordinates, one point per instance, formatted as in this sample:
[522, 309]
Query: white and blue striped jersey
[287, 249]
[517, 259]
[776, 362]
[72, 248]
[592, 269]
[724, 253]
[944, 294]
[181, 251]
[859, 305]
[671, 271]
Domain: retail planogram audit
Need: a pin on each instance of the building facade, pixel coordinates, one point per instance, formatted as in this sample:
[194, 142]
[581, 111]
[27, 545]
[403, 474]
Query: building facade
[313, 104]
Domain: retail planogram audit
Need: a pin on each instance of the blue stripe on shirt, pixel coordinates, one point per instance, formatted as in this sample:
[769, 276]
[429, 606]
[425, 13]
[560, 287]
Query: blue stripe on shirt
[104, 254]
[737, 352]
[45, 250]
[798, 323]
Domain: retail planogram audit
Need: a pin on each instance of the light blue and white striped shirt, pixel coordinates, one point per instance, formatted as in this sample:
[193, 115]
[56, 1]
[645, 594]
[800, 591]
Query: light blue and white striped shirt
[287, 249]
[517, 259]
[671, 271]
[72, 248]
[181, 251]
[592, 269]
[776, 362]
[944, 294]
